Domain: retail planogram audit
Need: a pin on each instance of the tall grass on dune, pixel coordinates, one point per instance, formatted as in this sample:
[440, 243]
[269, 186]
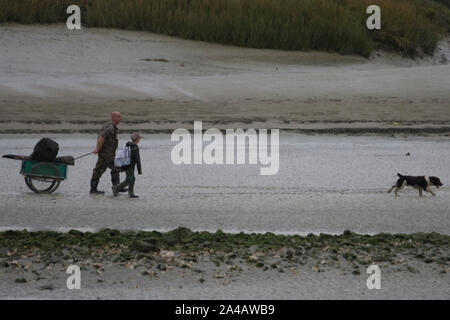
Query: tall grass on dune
[277, 24]
[408, 26]
[34, 11]
[446, 2]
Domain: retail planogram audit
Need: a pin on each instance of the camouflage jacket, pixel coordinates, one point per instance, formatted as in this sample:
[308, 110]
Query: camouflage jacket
[109, 132]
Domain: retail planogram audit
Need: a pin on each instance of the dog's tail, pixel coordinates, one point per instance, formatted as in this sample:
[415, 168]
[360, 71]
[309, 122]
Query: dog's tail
[399, 175]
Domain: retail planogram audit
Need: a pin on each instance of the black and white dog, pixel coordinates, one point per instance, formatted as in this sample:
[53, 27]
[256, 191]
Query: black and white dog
[419, 182]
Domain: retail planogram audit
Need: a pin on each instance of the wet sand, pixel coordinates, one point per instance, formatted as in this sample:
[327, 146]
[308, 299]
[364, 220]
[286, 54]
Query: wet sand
[324, 184]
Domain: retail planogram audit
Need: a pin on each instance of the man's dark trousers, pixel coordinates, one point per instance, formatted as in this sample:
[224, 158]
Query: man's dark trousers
[104, 162]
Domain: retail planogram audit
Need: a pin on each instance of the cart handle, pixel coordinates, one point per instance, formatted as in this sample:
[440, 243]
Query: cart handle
[83, 155]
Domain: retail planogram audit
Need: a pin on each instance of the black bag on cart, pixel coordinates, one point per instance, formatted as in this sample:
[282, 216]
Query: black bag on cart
[45, 150]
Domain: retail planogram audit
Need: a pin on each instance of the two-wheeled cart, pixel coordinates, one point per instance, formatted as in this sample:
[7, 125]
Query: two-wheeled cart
[43, 177]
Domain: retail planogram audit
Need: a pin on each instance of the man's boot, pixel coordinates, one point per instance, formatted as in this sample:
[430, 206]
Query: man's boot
[94, 184]
[115, 179]
[131, 191]
[115, 190]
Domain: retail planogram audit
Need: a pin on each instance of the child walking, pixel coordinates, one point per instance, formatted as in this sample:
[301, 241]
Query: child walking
[129, 170]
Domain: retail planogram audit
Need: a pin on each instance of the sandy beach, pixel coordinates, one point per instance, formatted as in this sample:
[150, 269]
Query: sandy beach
[357, 171]
[55, 79]
[346, 124]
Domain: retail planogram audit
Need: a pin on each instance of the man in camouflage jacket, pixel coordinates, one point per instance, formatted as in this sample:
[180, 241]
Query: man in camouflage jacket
[106, 149]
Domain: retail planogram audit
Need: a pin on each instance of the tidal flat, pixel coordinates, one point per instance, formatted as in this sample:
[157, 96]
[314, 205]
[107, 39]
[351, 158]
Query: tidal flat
[181, 261]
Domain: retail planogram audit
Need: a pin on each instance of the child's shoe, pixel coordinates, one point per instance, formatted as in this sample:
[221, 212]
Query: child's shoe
[131, 191]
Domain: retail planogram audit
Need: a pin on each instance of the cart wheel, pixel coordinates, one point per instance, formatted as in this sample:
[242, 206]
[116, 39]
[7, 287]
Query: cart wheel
[43, 184]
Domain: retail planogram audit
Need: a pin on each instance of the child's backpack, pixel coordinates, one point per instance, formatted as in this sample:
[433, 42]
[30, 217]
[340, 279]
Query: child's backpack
[123, 157]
